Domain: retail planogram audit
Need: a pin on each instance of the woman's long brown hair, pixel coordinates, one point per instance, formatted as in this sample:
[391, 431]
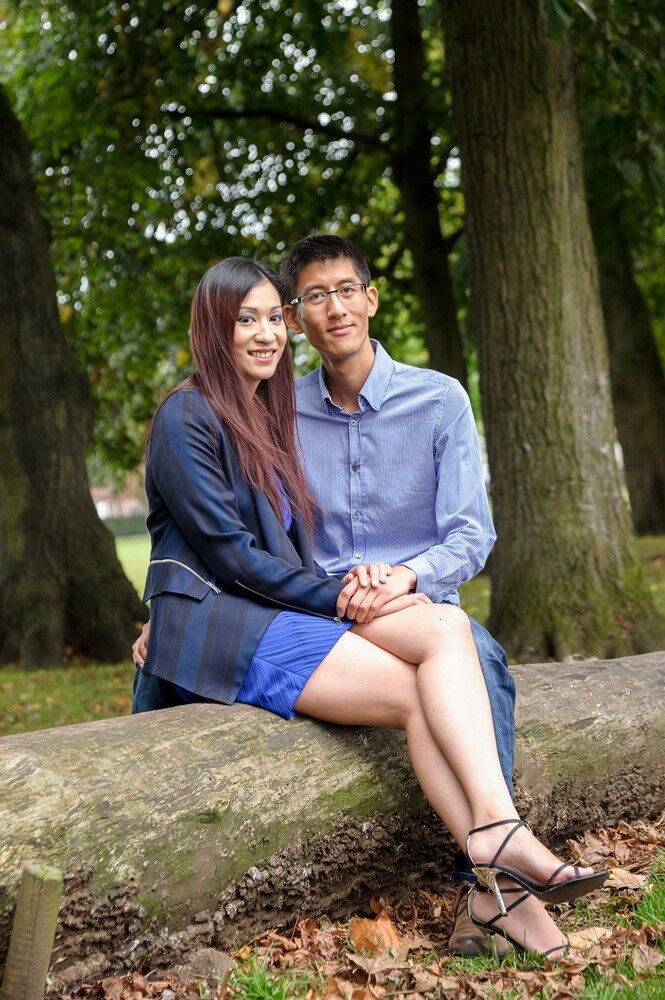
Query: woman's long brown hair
[261, 425]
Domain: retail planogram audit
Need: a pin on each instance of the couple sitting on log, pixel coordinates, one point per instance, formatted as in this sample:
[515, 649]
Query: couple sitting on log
[332, 591]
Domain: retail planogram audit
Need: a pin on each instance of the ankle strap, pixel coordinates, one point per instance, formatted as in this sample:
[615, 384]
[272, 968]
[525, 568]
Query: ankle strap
[517, 824]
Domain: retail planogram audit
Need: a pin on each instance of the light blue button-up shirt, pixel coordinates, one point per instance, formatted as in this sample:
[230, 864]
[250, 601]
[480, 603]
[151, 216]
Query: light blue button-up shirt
[401, 480]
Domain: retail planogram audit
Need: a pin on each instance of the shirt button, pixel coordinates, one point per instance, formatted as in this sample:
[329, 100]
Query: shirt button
[356, 514]
[357, 555]
[353, 422]
[355, 466]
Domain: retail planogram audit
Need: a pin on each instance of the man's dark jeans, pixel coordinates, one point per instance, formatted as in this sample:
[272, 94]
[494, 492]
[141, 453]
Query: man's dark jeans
[501, 691]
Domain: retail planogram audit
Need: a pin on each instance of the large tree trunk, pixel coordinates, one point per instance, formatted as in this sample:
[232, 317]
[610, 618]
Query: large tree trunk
[638, 391]
[412, 170]
[258, 819]
[564, 574]
[61, 584]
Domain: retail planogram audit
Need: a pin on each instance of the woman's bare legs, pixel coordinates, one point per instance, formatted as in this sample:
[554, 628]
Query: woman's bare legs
[456, 707]
[364, 682]
[360, 684]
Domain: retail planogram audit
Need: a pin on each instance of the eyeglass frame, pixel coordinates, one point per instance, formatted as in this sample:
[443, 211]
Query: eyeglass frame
[333, 291]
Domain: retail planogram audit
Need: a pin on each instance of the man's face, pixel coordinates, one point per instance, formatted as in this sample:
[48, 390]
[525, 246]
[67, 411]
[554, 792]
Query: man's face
[336, 329]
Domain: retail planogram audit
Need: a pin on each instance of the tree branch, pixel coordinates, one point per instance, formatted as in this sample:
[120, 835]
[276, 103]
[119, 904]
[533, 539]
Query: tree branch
[282, 118]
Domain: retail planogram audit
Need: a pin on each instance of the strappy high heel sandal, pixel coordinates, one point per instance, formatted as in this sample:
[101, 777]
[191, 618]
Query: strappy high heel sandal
[490, 925]
[549, 891]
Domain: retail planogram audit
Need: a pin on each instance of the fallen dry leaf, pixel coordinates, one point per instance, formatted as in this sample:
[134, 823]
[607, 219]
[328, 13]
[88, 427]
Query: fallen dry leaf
[336, 988]
[587, 937]
[622, 879]
[373, 937]
[645, 959]
[243, 954]
[378, 963]
[424, 981]
[448, 984]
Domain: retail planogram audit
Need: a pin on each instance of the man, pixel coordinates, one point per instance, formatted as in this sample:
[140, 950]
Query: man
[392, 456]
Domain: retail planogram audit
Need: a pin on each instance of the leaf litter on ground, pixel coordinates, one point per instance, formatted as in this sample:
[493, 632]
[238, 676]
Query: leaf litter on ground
[400, 952]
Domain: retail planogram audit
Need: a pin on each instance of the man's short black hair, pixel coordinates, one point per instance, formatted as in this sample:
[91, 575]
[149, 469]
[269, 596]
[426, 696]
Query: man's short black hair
[317, 249]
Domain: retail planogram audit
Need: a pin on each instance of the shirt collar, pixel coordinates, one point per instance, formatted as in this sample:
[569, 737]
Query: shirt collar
[374, 390]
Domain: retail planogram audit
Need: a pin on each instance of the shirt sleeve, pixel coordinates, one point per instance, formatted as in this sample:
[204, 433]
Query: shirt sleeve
[463, 519]
[187, 470]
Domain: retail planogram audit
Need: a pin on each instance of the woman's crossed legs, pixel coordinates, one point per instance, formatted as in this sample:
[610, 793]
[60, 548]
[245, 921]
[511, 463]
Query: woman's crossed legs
[418, 670]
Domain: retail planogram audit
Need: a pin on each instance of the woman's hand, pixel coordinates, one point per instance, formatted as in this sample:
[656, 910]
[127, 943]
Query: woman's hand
[140, 647]
[362, 603]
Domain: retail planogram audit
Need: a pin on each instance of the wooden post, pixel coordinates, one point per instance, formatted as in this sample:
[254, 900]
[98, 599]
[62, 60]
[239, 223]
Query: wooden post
[33, 932]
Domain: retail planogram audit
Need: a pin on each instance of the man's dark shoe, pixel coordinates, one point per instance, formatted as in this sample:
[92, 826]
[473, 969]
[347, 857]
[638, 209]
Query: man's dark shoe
[467, 940]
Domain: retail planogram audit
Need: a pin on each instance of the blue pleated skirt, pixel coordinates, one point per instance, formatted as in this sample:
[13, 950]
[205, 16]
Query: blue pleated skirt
[290, 650]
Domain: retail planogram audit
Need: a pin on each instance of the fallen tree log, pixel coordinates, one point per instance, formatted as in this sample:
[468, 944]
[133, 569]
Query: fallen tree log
[183, 804]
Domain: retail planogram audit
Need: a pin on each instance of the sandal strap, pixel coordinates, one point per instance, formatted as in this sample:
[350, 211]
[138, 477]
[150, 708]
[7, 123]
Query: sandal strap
[517, 824]
[564, 948]
[513, 906]
[557, 871]
[460, 902]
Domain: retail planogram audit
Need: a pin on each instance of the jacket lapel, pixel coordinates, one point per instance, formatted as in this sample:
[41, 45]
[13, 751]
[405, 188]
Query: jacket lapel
[275, 539]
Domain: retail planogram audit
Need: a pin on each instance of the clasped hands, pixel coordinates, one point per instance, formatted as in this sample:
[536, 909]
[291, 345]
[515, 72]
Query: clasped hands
[377, 589]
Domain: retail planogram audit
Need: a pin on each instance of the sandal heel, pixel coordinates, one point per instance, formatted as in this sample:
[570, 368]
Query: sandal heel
[487, 877]
[551, 891]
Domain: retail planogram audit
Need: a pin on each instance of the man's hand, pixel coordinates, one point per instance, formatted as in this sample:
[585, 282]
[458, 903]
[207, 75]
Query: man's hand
[140, 647]
[362, 603]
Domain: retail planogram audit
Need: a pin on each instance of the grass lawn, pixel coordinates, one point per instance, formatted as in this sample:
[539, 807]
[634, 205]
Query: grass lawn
[39, 699]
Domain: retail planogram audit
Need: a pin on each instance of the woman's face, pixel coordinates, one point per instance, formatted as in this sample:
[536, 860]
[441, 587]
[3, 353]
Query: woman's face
[259, 335]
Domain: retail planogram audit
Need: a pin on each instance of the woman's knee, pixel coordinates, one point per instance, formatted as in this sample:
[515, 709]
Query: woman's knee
[447, 620]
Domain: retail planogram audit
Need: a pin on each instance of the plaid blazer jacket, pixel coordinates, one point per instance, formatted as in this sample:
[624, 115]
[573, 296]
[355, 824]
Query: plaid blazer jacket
[221, 564]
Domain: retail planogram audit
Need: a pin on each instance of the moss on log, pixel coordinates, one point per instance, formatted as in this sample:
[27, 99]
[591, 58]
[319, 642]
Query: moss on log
[181, 804]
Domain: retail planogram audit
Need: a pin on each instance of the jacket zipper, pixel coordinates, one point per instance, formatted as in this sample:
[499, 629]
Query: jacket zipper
[208, 583]
[292, 607]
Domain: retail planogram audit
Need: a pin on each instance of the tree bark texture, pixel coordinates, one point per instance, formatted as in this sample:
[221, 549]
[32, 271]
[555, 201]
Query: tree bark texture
[182, 804]
[564, 573]
[60, 580]
[638, 392]
[412, 171]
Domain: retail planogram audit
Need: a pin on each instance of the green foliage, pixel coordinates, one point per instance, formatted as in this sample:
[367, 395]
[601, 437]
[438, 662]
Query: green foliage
[560, 14]
[621, 60]
[168, 135]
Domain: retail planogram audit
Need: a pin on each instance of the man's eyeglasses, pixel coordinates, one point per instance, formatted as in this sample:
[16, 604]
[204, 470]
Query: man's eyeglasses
[348, 292]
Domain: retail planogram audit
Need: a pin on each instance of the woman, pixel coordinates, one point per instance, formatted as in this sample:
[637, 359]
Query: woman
[240, 611]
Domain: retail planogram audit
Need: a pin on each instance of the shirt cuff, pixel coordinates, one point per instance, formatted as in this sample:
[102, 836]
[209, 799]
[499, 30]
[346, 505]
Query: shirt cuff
[425, 579]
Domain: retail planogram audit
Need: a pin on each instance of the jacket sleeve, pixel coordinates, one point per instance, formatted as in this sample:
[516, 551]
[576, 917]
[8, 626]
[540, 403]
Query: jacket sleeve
[185, 465]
